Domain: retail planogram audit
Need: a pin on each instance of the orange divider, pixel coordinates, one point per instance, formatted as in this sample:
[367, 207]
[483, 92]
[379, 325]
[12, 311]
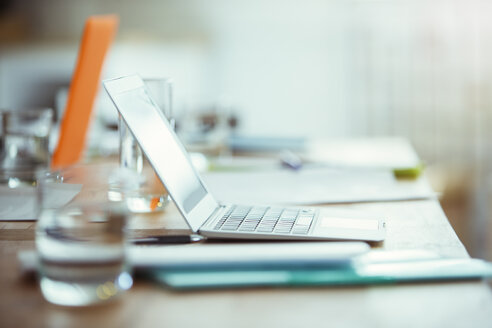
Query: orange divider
[98, 34]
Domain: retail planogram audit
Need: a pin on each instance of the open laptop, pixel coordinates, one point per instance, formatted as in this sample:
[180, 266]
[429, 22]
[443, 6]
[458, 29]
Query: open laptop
[202, 212]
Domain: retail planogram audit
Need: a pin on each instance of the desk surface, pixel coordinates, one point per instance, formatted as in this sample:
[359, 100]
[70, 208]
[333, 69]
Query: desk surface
[410, 225]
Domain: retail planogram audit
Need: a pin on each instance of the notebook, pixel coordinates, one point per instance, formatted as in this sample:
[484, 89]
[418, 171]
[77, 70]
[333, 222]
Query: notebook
[202, 212]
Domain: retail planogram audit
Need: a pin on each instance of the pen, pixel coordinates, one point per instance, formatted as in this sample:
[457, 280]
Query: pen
[167, 239]
[290, 160]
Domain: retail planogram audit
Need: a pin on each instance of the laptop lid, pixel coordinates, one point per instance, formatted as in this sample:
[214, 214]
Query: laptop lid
[163, 149]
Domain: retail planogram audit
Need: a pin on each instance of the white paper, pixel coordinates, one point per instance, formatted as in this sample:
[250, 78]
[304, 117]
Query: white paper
[314, 186]
[20, 204]
[388, 152]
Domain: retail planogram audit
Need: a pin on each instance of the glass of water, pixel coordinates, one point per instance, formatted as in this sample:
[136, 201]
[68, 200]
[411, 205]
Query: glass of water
[81, 248]
[24, 140]
[150, 195]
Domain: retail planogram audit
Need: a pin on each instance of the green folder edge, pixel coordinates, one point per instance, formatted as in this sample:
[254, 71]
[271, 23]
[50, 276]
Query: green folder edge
[440, 270]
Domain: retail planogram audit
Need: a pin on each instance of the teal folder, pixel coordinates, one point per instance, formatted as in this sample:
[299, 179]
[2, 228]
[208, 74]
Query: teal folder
[356, 274]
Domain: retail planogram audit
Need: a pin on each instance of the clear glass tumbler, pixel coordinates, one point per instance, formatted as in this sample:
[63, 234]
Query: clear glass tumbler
[24, 140]
[149, 195]
[82, 248]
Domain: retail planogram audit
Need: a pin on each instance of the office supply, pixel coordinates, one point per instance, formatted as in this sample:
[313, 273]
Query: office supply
[238, 164]
[199, 207]
[403, 168]
[250, 255]
[383, 152]
[296, 161]
[372, 268]
[243, 143]
[391, 153]
[230, 256]
[96, 39]
[20, 204]
[315, 186]
[167, 239]
[422, 271]
[409, 172]
[290, 160]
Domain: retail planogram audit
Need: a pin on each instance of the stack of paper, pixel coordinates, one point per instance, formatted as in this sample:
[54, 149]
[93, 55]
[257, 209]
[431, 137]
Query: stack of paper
[314, 186]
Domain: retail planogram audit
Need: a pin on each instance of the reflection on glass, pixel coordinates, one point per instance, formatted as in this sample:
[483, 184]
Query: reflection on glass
[168, 157]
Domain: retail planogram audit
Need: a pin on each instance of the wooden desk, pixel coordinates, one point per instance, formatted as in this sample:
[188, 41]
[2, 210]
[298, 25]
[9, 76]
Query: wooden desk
[410, 225]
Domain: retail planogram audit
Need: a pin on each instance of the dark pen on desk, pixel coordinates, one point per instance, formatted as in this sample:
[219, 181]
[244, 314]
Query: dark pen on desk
[167, 239]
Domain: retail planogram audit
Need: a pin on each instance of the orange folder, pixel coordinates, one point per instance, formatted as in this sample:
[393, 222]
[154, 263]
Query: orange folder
[98, 34]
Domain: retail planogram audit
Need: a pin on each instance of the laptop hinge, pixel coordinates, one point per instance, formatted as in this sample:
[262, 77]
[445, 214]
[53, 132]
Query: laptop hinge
[212, 216]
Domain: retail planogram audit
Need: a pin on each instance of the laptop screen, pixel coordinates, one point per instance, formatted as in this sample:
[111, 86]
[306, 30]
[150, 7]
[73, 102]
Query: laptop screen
[161, 146]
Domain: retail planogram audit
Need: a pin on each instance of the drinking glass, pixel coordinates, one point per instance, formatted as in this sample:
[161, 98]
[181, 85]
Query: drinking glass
[149, 195]
[24, 139]
[82, 247]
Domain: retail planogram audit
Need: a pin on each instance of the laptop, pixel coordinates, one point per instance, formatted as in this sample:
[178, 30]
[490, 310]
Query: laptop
[202, 212]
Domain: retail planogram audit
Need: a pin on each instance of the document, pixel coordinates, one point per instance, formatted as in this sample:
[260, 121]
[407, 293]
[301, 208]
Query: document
[311, 186]
[373, 268]
[390, 152]
[231, 256]
[20, 204]
[289, 264]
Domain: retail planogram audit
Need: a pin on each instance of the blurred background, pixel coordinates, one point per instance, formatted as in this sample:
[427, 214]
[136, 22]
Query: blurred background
[280, 68]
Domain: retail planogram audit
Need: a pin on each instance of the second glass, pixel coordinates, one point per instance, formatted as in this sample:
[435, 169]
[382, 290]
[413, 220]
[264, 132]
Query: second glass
[149, 194]
[24, 138]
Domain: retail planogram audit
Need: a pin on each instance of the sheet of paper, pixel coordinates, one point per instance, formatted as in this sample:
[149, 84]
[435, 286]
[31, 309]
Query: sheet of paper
[390, 152]
[314, 186]
[19, 204]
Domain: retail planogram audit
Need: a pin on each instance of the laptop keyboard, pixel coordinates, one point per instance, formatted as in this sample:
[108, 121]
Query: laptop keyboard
[266, 219]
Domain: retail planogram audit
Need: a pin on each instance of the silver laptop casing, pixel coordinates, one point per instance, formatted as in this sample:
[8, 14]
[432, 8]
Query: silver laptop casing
[197, 205]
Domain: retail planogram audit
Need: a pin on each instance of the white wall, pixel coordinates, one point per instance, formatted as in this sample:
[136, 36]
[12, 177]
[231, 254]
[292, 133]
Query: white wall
[308, 68]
